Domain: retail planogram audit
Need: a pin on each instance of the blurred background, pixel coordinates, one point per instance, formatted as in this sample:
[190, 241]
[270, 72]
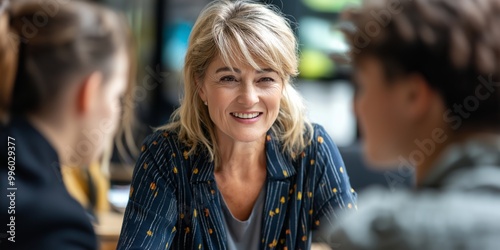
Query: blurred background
[162, 28]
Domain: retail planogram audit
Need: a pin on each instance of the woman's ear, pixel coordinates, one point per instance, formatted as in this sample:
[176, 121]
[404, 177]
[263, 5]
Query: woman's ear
[88, 93]
[201, 91]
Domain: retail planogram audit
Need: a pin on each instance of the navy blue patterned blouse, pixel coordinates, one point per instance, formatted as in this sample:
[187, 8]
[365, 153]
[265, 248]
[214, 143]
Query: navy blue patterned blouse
[175, 204]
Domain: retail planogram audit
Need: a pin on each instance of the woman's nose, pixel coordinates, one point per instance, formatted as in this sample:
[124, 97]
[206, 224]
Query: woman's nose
[248, 95]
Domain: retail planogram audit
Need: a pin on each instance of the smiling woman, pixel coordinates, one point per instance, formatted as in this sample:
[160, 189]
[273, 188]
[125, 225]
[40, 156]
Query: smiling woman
[239, 166]
[243, 102]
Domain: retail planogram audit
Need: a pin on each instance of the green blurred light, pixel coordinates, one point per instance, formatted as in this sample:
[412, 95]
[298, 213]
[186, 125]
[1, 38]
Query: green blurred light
[315, 64]
[330, 5]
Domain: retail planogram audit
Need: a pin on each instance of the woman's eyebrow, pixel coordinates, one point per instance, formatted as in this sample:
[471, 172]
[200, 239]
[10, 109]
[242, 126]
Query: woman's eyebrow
[223, 69]
[266, 70]
[228, 69]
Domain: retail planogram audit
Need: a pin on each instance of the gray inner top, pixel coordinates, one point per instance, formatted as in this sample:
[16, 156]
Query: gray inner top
[244, 235]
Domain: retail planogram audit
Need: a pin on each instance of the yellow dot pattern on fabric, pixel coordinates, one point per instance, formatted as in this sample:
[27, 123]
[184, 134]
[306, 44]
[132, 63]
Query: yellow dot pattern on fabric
[131, 191]
[273, 244]
[165, 134]
[320, 139]
[299, 193]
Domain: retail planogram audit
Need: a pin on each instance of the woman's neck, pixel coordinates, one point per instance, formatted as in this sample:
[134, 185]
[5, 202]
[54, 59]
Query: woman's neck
[240, 159]
[54, 133]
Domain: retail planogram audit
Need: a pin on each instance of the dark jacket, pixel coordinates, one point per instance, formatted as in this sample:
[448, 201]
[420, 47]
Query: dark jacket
[35, 198]
[456, 207]
[175, 203]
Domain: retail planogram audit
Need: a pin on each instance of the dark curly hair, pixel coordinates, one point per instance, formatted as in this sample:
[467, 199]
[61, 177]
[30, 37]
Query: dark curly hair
[453, 44]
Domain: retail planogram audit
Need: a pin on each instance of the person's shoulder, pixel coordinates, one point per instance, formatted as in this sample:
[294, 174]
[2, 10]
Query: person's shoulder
[161, 135]
[56, 219]
[318, 130]
[162, 139]
[400, 218]
[320, 137]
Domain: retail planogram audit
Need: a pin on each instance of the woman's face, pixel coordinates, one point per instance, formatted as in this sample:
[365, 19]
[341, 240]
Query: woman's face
[243, 103]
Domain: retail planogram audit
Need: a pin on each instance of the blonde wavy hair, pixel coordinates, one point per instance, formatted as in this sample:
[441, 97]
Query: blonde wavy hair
[240, 31]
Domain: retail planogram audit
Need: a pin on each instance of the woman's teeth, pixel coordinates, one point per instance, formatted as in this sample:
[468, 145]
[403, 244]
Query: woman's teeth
[245, 116]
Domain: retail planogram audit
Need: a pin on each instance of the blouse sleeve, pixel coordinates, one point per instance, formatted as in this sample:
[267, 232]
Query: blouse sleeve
[333, 191]
[150, 217]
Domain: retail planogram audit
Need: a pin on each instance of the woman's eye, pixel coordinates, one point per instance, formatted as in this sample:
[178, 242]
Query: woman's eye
[227, 79]
[266, 79]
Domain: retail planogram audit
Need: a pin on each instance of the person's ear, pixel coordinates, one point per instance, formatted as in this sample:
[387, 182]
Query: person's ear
[419, 96]
[88, 92]
[201, 91]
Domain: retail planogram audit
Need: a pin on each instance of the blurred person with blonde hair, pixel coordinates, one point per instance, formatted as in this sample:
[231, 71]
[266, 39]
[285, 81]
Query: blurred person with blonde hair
[64, 67]
[428, 96]
[239, 166]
